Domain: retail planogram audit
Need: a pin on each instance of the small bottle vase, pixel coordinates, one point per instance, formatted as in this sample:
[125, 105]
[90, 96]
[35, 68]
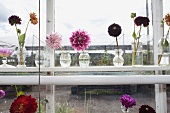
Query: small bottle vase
[118, 59]
[65, 59]
[84, 59]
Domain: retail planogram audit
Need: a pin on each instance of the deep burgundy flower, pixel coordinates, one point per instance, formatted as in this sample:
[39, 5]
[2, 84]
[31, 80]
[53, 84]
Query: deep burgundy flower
[146, 109]
[142, 21]
[24, 104]
[2, 93]
[127, 101]
[79, 40]
[114, 30]
[14, 20]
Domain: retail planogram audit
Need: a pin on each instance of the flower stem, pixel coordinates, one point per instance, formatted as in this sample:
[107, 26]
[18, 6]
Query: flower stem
[117, 46]
[27, 27]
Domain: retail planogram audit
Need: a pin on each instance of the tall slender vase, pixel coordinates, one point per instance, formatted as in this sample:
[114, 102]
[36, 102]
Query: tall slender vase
[137, 54]
[21, 55]
[118, 59]
[163, 54]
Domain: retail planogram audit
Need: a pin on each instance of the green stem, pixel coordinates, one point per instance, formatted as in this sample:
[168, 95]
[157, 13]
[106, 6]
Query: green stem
[27, 27]
[16, 89]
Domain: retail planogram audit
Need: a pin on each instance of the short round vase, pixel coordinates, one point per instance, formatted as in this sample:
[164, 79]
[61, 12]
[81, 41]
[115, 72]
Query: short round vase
[65, 59]
[84, 59]
[40, 59]
[118, 59]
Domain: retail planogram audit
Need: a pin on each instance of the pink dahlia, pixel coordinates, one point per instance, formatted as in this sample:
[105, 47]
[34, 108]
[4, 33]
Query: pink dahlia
[5, 52]
[54, 40]
[79, 40]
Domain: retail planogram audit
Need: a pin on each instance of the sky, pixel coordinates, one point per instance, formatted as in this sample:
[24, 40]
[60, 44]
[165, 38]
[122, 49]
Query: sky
[93, 16]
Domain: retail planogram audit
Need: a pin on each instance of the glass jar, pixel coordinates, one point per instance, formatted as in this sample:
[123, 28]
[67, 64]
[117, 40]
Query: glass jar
[40, 59]
[84, 59]
[118, 59]
[163, 53]
[137, 54]
[65, 59]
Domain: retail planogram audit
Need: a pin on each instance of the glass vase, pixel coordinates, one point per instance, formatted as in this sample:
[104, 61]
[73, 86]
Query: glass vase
[65, 59]
[84, 59]
[21, 55]
[40, 58]
[163, 54]
[124, 110]
[118, 59]
[137, 54]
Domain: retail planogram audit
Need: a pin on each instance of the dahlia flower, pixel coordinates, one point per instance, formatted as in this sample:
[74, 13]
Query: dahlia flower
[115, 30]
[146, 109]
[16, 20]
[24, 104]
[127, 101]
[2, 93]
[53, 40]
[5, 52]
[80, 40]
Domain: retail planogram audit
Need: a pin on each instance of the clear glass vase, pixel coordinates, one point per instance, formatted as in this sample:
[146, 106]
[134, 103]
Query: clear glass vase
[84, 59]
[65, 59]
[124, 110]
[137, 54]
[40, 59]
[21, 55]
[163, 54]
[118, 59]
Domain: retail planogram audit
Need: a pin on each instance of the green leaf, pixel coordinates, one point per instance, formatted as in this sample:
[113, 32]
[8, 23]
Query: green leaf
[164, 43]
[20, 93]
[22, 39]
[133, 15]
[134, 35]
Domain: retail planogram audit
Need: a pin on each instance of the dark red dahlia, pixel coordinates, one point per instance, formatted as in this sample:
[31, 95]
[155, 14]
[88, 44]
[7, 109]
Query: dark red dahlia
[142, 21]
[114, 30]
[24, 104]
[14, 20]
[146, 109]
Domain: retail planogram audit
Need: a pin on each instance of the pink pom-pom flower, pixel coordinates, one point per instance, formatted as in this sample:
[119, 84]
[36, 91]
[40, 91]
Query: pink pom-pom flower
[79, 40]
[53, 40]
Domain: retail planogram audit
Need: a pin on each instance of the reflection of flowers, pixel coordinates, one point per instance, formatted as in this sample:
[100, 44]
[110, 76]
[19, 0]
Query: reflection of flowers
[16, 20]
[53, 40]
[146, 109]
[164, 42]
[2, 93]
[24, 104]
[127, 101]
[115, 30]
[80, 40]
[5, 52]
